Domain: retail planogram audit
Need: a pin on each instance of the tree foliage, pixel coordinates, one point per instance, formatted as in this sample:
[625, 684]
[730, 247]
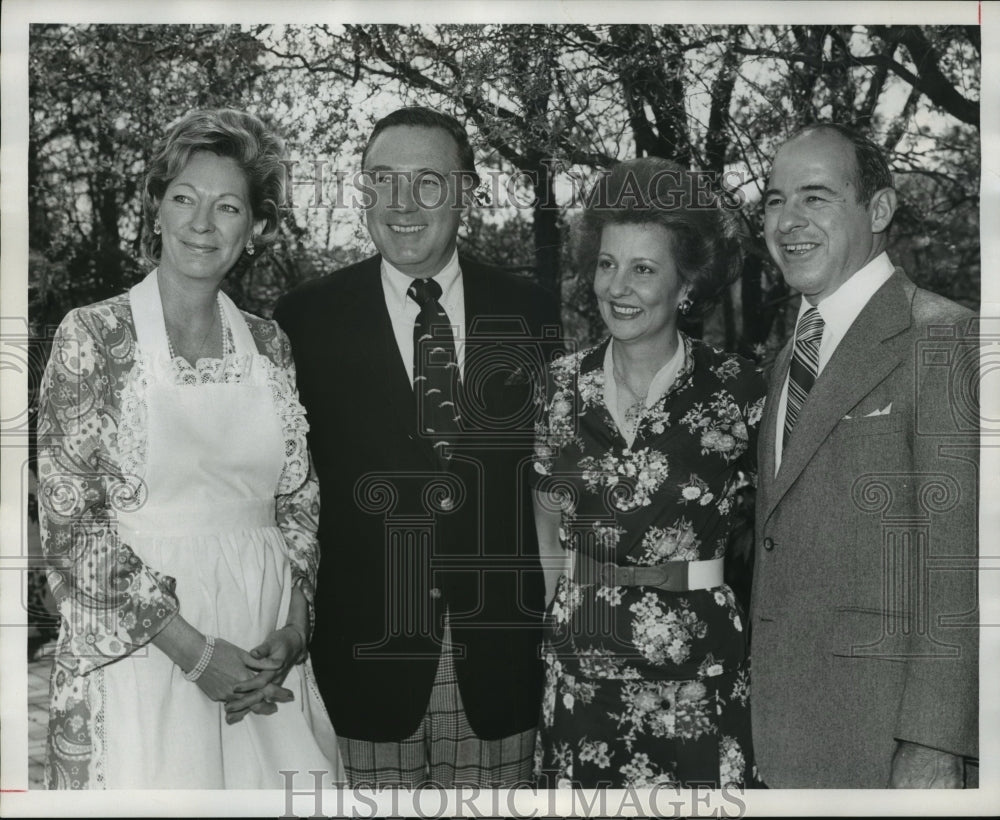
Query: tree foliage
[548, 106]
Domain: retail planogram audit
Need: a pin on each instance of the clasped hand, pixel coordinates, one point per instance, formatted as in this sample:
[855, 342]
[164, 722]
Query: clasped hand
[230, 674]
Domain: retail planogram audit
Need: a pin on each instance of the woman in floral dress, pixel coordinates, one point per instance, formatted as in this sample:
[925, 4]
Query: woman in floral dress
[644, 442]
[178, 506]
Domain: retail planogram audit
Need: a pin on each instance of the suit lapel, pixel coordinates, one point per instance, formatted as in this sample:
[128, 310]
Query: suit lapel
[863, 359]
[769, 423]
[477, 294]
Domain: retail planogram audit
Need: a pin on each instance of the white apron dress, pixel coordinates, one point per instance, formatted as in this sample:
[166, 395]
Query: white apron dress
[214, 454]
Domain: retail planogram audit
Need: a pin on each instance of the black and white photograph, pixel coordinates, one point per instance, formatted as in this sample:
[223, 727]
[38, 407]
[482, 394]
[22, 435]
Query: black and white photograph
[453, 409]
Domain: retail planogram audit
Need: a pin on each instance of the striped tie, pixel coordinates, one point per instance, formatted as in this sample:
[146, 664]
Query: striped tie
[435, 367]
[804, 367]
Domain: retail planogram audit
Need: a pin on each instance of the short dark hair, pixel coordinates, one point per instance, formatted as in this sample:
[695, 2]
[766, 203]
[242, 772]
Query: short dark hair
[226, 132]
[416, 116]
[872, 169]
[655, 191]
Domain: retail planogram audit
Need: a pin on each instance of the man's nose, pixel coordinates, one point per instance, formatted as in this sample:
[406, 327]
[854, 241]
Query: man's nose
[791, 217]
[402, 193]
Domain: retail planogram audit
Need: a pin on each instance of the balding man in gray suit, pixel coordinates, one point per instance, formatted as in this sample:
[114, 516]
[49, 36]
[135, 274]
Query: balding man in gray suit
[864, 638]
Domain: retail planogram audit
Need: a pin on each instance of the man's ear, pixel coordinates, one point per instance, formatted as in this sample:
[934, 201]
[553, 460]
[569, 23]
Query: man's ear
[882, 208]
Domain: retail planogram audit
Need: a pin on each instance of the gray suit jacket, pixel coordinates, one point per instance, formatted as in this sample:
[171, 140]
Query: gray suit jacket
[864, 597]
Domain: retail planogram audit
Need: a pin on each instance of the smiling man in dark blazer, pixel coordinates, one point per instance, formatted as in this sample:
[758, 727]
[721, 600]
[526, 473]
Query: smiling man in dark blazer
[864, 639]
[417, 368]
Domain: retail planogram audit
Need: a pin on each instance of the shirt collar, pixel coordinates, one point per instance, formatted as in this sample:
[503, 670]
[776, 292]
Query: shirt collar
[841, 308]
[661, 382]
[399, 282]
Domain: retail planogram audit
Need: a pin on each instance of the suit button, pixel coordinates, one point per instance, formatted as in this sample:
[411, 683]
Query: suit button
[435, 592]
[769, 544]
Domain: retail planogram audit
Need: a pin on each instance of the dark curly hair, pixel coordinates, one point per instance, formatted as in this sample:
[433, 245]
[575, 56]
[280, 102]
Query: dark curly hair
[257, 149]
[655, 191]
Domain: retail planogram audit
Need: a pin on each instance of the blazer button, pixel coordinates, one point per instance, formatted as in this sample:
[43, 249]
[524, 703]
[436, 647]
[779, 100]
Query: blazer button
[769, 544]
[435, 592]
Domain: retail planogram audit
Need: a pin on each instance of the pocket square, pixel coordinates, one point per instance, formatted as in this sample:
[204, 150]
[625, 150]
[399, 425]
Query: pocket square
[883, 412]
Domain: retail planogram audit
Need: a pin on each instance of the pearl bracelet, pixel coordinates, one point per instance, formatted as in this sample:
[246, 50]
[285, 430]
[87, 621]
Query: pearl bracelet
[203, 661]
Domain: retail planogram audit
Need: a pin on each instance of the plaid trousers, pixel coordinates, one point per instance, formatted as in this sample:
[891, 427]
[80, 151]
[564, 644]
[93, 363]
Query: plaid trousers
[444, 751]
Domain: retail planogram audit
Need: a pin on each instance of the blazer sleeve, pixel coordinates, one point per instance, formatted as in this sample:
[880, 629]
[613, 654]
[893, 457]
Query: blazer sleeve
[940, 701]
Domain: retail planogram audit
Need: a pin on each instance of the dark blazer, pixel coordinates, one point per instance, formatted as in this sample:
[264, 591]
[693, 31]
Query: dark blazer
[400, 537]
[864, 595]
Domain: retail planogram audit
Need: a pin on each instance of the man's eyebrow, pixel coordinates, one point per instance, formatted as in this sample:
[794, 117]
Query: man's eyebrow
[408, 171]
[818, 186]
[807, 188]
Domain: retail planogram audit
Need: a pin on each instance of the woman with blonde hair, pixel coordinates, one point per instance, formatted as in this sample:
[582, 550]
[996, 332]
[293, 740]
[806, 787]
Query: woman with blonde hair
[177, 500]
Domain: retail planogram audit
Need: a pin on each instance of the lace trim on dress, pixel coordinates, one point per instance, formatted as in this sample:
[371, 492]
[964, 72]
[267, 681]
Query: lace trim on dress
[99, 761]
[231, 369]
[294, 427]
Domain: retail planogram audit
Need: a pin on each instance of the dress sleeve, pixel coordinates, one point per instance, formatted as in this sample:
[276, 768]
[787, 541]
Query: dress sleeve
[297, 502]
[752, 406]
[542, 461]
[741, 494]
[109, 601]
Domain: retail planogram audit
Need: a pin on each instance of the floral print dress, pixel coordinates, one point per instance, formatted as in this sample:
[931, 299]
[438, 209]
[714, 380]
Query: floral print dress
[645, 686]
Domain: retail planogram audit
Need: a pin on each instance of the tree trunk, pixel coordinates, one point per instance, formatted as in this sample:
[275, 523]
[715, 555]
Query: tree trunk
[545, 228]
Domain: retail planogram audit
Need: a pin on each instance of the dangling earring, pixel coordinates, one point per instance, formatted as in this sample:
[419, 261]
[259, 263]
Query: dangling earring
[249, 247]
[156, 226]
[684, 308]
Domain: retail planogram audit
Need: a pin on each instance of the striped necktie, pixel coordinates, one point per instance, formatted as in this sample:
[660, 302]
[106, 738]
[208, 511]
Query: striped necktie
[805, 366]
[435, 367]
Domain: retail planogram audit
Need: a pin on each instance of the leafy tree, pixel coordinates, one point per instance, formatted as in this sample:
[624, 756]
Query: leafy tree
[549, 106]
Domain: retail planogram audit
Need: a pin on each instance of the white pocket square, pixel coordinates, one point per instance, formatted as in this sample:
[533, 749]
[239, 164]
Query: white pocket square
[883, 412]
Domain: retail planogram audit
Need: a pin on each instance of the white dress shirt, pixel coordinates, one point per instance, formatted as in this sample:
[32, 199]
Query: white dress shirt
[657, 387]
[403, 310]
[838, 310]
